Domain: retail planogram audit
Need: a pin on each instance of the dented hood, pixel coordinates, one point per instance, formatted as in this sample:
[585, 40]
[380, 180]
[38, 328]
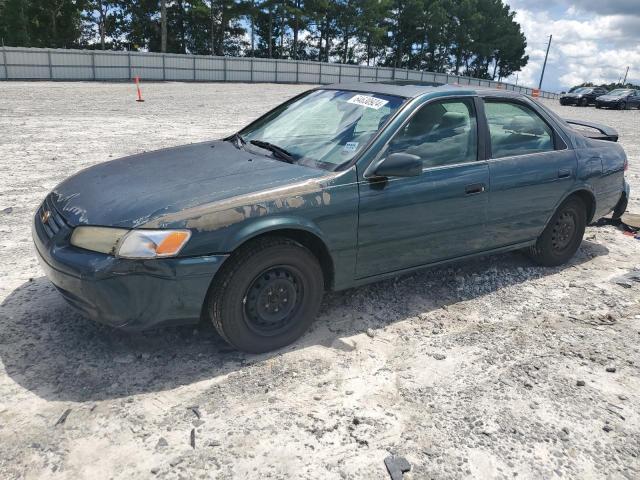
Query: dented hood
[132, 191]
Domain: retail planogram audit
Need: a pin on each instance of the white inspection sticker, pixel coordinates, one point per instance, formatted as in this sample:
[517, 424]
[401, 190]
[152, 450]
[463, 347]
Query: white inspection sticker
[350, 147]
[368, 101]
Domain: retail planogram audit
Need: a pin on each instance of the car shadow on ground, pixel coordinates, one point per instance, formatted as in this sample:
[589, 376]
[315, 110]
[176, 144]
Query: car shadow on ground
[56, 354]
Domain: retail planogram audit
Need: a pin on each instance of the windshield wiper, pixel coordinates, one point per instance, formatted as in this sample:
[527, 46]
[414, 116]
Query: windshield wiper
[238, 139]
[276, 150]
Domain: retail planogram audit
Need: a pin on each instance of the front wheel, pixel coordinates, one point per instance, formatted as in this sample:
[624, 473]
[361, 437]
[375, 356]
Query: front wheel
[584, 102]
[562, 236]
[266, 295]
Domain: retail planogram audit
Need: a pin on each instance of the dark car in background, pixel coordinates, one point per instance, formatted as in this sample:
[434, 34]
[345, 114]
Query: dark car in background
[582, 96]
[620, 98]
[340, 186]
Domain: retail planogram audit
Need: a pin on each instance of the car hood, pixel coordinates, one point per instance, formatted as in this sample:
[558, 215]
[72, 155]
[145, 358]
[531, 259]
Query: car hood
[132, 191]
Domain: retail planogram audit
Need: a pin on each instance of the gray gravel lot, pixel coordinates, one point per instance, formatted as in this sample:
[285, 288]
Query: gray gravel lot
[492, 368]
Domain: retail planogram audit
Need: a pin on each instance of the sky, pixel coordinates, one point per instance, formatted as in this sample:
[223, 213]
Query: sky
[593, 41]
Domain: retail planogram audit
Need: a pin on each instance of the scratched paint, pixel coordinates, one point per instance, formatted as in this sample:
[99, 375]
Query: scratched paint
[223, 213]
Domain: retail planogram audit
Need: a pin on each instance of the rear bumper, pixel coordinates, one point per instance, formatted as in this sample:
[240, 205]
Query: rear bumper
[621, 206]
[127, 294]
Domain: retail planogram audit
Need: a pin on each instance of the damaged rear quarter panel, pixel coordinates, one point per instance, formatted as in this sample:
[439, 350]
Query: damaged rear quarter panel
[325, 206]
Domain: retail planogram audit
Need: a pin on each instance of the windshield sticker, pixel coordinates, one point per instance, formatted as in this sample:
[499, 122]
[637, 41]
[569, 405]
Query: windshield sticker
[368, 101]
[350, 147]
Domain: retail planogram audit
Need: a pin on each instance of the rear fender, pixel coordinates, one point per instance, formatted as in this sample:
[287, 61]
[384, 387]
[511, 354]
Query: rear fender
[591, 209]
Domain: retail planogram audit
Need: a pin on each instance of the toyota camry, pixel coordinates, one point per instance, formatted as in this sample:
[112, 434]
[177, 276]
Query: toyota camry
[340, 186]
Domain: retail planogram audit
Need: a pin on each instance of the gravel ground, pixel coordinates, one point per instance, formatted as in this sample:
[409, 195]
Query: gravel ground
[489, 369]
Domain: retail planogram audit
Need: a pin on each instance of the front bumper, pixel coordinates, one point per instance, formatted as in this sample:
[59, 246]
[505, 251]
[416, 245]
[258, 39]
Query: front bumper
[608, 104]
[128, 294]
[569, 100]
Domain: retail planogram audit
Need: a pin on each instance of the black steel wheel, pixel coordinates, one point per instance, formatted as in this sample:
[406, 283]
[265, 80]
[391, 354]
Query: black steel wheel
[273, 299]
[563, 234]
[266, 294]
[563, 230]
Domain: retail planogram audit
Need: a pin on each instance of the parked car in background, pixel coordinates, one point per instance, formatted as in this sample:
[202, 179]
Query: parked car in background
[620, 98]
[582, 96]
[340, 186]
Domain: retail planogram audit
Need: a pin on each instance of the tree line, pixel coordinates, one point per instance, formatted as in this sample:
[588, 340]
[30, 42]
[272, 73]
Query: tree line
[478, 38]
[607, 86]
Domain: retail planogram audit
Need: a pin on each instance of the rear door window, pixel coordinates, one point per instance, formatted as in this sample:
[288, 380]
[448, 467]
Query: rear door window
[516, 129]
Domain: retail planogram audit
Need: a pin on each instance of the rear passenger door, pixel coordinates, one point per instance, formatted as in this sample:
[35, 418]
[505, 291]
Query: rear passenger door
[530, 168]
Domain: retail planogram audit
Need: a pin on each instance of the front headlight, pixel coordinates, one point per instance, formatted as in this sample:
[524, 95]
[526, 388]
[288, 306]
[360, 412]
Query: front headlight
[153, 243]
[130, 243]
[98, 239]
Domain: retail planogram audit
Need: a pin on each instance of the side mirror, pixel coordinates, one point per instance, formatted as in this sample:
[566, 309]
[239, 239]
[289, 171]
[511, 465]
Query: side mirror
[396, 165]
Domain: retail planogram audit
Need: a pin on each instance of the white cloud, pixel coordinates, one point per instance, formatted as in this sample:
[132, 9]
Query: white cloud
[586, 46]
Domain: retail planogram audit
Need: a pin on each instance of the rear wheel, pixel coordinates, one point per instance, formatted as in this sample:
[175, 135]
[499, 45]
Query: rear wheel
[584, 102]
[562, 236]
[622, 106]
[266, 295]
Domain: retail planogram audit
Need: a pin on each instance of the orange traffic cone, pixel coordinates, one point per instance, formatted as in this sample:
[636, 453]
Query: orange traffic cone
[137, 79]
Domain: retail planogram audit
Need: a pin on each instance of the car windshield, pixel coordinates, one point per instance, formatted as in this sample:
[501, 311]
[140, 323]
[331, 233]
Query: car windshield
[324, 128]
[583, 90]
[619, 93]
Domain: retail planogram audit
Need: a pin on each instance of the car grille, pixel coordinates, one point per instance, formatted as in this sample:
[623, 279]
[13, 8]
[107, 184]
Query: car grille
[55, 222]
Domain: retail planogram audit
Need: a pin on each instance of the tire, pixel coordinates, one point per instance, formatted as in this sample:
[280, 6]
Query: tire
[622, 106]
[561, 238]
[584, 102]
[598, 105]
[241, 302]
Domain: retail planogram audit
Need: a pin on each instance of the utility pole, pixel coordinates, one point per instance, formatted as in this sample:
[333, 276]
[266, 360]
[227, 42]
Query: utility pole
[544, 66]
[163, 26]
[624, 82]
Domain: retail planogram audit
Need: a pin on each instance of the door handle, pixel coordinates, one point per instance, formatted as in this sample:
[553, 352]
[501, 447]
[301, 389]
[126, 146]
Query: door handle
[564, 173]
[474, 188]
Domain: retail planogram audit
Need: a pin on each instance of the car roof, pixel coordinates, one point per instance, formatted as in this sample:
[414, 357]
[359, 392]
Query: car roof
[414, 89]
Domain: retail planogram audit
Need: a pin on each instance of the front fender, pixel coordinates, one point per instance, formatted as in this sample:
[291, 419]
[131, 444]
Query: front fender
[264, 225]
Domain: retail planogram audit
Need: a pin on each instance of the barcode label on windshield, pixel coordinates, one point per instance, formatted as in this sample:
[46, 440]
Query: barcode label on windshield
[367, 101]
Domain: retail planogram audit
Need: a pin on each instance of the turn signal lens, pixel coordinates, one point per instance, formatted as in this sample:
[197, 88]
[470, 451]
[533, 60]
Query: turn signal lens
[153, 243]
[172, 244]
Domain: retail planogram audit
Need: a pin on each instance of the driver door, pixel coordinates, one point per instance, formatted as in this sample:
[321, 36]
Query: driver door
[406, 222]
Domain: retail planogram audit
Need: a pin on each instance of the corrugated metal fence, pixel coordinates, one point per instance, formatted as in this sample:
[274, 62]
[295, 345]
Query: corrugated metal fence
[56, 64]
